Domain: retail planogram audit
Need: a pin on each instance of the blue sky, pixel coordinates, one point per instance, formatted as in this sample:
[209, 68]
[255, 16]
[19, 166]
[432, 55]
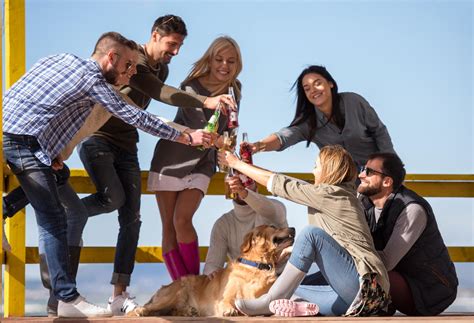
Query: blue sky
[412, 60]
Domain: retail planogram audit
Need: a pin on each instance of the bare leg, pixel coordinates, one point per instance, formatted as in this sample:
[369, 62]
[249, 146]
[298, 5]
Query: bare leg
[166, 203]
[187, 203]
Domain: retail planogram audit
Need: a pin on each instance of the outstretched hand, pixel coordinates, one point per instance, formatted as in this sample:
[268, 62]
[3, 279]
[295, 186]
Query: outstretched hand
[254, 148]
[201, 138]
[212, 103]
[227, 158]
[236, 186]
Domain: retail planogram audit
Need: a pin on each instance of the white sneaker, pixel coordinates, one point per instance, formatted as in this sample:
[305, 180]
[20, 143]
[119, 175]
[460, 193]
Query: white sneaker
[5, 245]
[121, 304]
[81, 308]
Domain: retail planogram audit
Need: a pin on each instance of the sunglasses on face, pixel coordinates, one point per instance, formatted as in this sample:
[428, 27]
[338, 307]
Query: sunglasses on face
[128, 65]
[369, 171]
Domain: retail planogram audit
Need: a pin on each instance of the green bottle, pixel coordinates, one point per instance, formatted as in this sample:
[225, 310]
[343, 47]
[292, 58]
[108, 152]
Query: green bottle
[213, 123]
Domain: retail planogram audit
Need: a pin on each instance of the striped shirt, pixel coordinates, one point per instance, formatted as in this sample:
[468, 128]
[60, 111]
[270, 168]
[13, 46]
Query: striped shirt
[53, 99]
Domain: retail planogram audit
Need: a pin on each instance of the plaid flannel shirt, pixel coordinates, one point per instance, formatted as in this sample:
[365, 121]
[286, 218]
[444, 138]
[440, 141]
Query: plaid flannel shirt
[53, 99]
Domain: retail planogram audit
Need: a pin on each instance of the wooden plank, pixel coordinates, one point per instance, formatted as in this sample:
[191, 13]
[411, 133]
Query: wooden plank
[444, 318]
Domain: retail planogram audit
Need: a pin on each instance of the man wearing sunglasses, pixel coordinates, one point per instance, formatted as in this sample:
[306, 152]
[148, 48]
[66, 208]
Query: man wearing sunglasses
[42, 112]
[110, 155]
[422, 276]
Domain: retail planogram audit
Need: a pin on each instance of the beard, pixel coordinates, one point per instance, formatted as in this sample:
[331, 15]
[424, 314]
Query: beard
[368, 190]
[111, 76]
[166, 58]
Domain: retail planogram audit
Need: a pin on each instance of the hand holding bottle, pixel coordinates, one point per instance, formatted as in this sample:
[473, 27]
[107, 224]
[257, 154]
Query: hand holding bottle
[236, 186]
[212, 125]
[245, 150]
[214, 103]
[227, 158]
[246, 156]
[250, 146]
[201, 137]
[193, 137]
[232, 115]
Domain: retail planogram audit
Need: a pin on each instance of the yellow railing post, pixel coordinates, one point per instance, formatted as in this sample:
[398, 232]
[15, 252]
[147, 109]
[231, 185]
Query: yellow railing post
[1, 148]
[14, 288]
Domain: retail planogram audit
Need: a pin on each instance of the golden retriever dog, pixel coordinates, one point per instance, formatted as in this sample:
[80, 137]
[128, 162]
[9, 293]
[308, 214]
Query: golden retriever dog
[248, 277]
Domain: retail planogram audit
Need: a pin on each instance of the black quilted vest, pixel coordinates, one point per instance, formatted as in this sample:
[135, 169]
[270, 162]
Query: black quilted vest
[427, 266]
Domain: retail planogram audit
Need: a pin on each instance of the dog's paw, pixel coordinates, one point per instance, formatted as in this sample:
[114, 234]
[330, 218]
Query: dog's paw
[231, 312]
[138, 311]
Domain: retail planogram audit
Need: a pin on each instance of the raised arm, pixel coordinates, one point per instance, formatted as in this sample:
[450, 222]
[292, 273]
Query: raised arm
[284, 138]
[146, 81]
[271, 209]
[286, 187]
[270, 143]
[115, 104]
[258, 174]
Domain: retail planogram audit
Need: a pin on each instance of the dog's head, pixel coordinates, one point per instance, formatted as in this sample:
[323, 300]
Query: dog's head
[265, 243]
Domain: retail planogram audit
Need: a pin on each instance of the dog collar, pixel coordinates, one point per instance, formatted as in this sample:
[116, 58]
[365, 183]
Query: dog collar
[258, 265]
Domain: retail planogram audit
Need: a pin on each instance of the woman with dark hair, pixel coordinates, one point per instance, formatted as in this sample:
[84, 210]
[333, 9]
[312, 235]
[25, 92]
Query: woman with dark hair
[326, 117]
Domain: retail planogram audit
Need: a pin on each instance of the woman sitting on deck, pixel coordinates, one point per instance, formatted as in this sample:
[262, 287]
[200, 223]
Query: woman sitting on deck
[338, 241]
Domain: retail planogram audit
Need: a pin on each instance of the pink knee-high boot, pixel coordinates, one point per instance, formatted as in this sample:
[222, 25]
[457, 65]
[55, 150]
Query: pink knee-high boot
[190, 255]
[174, 264]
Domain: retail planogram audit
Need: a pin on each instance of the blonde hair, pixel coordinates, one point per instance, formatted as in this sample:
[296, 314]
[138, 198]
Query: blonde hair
[337, 165]
[202, 66]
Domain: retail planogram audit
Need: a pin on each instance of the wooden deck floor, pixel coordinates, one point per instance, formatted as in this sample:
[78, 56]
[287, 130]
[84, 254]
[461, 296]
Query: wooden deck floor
[450, 317]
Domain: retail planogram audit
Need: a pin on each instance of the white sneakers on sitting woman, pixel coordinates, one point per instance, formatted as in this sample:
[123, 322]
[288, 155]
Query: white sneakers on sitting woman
[81, 308]
[121, 304]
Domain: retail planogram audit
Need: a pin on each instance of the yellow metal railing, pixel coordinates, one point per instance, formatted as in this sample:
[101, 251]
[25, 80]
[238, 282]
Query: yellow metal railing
[14, 13]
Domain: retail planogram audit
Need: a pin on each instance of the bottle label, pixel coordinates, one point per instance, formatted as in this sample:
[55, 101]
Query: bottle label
[233, 116]
[232, 122]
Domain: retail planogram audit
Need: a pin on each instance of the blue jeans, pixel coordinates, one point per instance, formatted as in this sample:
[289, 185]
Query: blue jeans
[75, 211]
[116, 176]
[39, 185]
[341, 279]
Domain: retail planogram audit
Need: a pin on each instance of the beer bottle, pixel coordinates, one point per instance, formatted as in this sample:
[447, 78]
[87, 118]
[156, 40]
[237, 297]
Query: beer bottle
[213, 123]
[233, 115]
[226, 146]
[245, 150]
[246, 156]
[228, 194]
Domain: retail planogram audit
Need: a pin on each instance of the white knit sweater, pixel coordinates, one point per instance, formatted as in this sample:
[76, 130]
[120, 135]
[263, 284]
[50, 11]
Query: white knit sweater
[230, 229]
